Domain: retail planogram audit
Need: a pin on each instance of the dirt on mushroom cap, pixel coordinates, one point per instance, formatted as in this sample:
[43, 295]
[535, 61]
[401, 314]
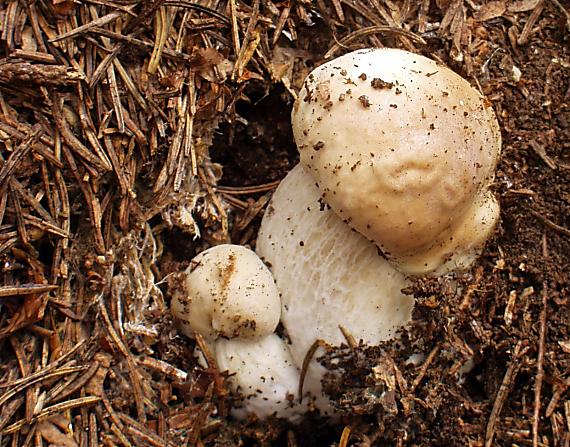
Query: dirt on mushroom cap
[399, 145]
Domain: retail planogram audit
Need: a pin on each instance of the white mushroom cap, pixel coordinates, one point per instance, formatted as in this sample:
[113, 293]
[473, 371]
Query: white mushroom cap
[264, 373]
[227, 290]
[403, 150]
[328, 275]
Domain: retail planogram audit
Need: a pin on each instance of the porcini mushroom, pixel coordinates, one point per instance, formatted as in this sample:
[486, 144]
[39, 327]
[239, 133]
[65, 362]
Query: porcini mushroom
[403, 149]
[229, 296]
[328, 276]
[227, 291]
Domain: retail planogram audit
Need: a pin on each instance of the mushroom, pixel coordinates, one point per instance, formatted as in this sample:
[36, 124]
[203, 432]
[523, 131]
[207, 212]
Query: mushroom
[228, 295]
[404, 150]
[328, 276]
[227, 291]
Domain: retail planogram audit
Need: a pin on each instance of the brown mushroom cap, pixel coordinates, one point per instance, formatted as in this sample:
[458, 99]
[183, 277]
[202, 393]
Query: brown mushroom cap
[403, 150]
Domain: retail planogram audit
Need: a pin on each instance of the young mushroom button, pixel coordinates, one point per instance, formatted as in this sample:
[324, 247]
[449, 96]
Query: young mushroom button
[227, 291]
[228, 295]
[403, 150]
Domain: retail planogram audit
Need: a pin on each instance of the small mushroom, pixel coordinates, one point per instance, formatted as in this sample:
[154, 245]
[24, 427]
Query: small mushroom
[227, 291]
[328, 276]
[403, 150]
[229, 296]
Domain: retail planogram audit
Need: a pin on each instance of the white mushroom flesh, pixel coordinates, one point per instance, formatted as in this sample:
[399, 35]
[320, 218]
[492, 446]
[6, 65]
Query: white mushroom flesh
[403, 150]
[263, 373]
[328, 275]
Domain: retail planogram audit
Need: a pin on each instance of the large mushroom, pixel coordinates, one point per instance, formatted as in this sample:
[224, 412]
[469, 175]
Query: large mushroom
[328, 276]
[403, 150]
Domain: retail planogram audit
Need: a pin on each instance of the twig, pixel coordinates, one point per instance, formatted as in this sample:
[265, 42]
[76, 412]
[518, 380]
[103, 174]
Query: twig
[71, 139]
[352, 343]
[31, 200]
[540, 361]
[44, 371]
[344, 437]
[140, 431]
[70, 387]
[91, 199]
[540, 150]
[197, 7]
[22, 386]
[116, 421]
[371, 30]
[25, 289]
[165, 368]
[512, 371]
[19, 153]
[565, 12]
[50, 411]
[235, 29]
[535, 14]
[550, 224]
[18, 71]
[247, 190]
[560, 390]
[122, 347]
[101, 21]
[424, 368]
[306, 361]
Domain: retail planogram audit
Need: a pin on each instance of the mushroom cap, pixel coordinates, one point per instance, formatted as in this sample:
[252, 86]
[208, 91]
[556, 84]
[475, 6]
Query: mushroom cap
[328, 275]
[401, 148]
[227, 290]
[263, 372]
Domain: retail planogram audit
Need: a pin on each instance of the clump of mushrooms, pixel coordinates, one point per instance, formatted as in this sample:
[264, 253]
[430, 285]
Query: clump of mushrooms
[397, 156]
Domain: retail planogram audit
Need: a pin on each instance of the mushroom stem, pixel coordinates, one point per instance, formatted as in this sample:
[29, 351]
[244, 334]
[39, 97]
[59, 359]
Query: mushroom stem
[263, 373]
[328, 275]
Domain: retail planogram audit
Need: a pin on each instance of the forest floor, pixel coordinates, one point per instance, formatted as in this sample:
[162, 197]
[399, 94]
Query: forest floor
[137, 134]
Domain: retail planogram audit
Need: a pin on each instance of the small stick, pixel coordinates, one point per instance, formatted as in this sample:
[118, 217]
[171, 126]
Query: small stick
[246, 190]
[50, 411]
[308, 357]
[348, 337]
[371, 30]
[562, 230]
[424, 368]
[540, 361]
[50, 375]
[525, 33]
[344, 437]
[25, 289]
[556, 397]
[19, 153]
[503, 393]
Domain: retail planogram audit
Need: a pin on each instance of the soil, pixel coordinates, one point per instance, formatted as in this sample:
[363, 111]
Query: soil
[113, 177]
